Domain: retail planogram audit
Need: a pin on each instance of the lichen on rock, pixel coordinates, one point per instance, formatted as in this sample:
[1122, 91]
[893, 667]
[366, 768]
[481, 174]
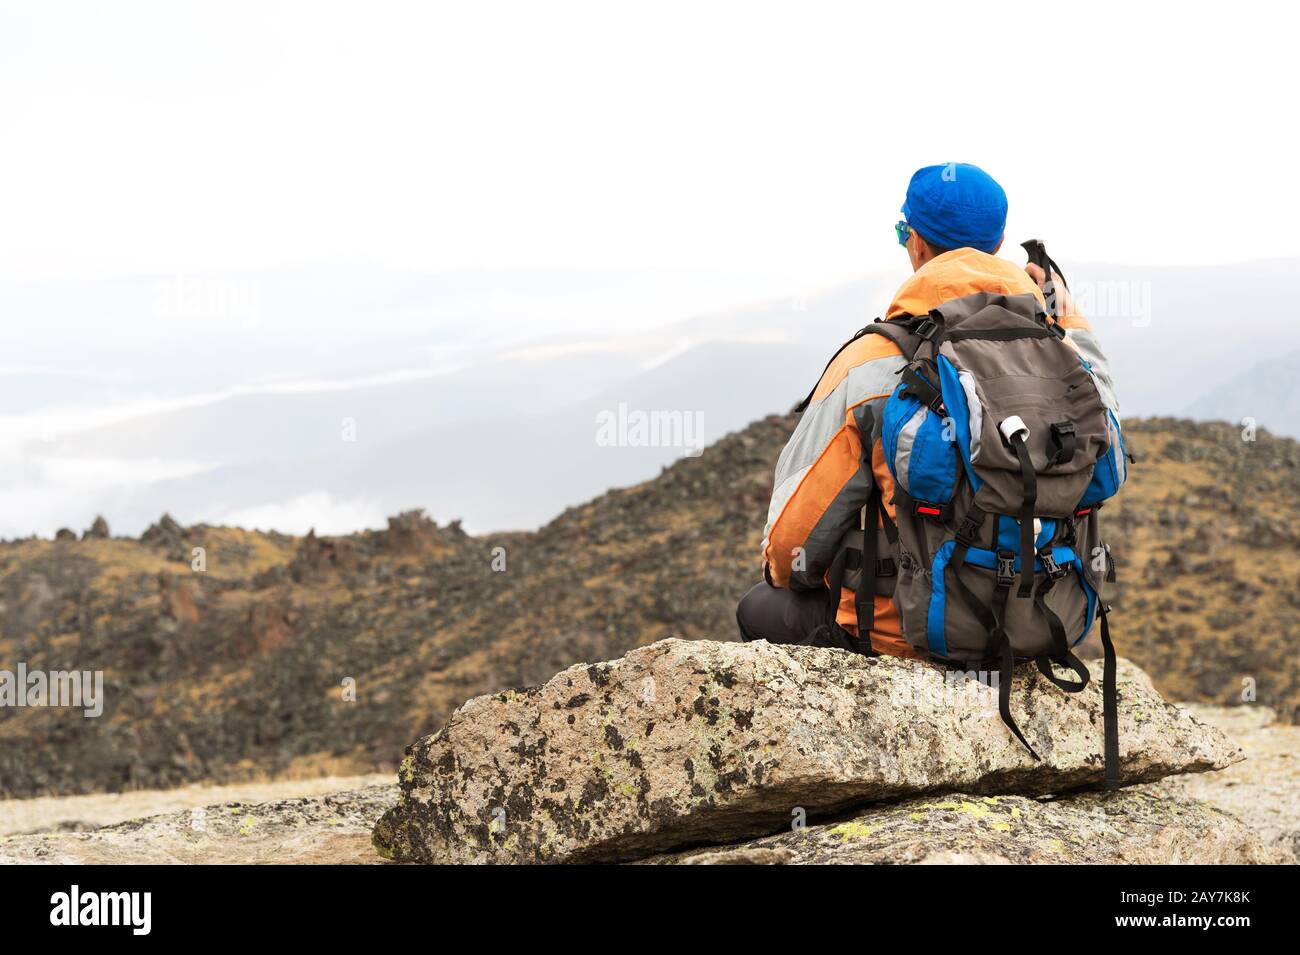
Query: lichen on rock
[1132, 827]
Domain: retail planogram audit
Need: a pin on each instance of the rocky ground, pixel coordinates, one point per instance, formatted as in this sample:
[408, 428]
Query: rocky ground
[44, 814]
[1132, 827]
[1246, 812]
[308, 830]
[1263, 790]
[1139, 825]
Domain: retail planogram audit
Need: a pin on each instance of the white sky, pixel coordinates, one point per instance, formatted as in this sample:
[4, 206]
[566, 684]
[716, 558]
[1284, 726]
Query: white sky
[775, 138]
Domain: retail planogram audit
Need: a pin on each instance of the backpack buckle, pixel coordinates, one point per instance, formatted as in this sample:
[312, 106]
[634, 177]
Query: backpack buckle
[1069, 532]
[969, 531]
[916, 384]
[1054, 570]
[1063, 443]
[1006, 568]
[925, 331]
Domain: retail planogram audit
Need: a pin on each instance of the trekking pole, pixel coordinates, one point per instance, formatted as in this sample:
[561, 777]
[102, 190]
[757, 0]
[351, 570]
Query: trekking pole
[1038, 256]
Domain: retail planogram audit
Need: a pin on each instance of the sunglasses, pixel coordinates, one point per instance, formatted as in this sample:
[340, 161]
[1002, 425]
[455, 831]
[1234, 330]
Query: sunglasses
[903, 231]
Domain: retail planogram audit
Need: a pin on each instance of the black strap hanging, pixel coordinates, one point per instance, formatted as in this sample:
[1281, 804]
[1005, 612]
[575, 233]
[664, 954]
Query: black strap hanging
[1075, 664]
[992, 617]
[1109, 702]
[1109, 685]
[1007, 669]
[966, 537]
[1029, 481]
[864, 600]
[990, 622]
[887, 522]
[865, 597]
[866, 594]
[1061, 652]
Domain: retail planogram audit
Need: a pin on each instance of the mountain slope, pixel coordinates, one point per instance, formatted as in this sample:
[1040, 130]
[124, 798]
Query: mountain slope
[242, 670]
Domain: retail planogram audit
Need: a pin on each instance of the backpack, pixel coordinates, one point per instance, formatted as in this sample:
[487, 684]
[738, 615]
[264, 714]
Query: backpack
[1002, 451]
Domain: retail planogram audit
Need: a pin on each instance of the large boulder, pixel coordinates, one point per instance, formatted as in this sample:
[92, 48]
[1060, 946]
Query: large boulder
[682, 743]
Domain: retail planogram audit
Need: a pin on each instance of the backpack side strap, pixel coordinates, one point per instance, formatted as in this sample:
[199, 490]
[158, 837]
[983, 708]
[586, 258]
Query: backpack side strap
[1109, 689]
[900, 331]
[865, 597]
[1109, 702]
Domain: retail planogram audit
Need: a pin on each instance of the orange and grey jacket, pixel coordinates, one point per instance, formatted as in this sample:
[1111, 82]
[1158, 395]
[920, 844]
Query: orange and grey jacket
[820, 488]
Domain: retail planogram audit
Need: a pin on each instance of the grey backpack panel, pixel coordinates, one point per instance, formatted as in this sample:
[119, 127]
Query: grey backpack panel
[1038, 378]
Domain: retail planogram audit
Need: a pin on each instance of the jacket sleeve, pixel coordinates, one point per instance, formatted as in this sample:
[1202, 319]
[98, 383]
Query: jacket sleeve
[820, 487]
[1079, 332]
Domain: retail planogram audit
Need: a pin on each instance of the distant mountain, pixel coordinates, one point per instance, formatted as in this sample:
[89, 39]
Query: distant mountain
[302, 656]
[168, 335]
[509, 465]
[427, 412]
[108, 385]
[282, 457]
[267, 426]
[1267, 394]
[549, 372]
[1174, 334]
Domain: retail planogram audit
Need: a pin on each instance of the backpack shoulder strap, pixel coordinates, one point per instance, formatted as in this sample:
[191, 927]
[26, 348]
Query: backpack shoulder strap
[873, 511]
[900, 331]
[802, 406]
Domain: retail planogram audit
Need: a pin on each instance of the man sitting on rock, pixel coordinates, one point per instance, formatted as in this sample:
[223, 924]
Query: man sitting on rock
[954, 218]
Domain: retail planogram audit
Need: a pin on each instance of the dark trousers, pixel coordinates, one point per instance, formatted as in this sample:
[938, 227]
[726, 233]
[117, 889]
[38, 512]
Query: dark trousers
[778, 615]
